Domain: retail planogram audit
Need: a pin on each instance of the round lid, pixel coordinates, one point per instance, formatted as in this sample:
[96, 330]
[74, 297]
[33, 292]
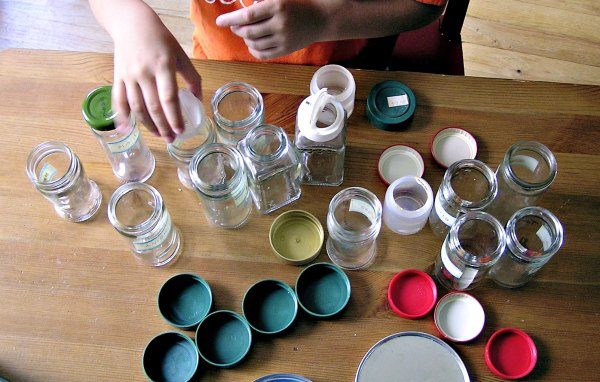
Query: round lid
[184, 300]
[323, 290]
[270, 306]
[312, 111]
[510, 353]
[97, 109]
[459, 317]
[170, 357]
[223, 338]
[398, 161]
[389, 104]
[412, 293]
[296, 236]
[453, 144]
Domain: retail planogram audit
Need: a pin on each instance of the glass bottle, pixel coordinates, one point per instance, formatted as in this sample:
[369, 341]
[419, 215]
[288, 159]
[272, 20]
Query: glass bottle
[137, 211]
[353, 222]
[272, 166]
[468, 185]
[527, 170]
[198, 131]
[321, 139]
[217, 172]
[130, 158]
[237, 107]
[473, 245]
[408, 201]
[57, 173]
[533, 236]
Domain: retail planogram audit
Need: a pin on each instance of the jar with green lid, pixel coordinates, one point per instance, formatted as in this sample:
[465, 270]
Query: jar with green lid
[128, 154]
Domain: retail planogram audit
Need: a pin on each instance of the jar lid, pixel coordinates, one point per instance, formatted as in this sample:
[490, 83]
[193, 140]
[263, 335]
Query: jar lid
[390, 104]
[296, 236]
[323, 290]
[184, 300]
[398, 161]
[412, 293]
[459, 317]
[270, 306]
[510, 353]
[223, 338]
[310, 112]
[97, 109]
[170, 356]
[452, 144]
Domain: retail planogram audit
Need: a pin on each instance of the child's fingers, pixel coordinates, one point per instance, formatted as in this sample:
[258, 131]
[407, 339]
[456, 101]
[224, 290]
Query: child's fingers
[266, 54]
[136, 102]
[119, 101]
[254, 31]
[189, 74]
[166, 85]
[155, 109]
[264, 43]
[249, 15]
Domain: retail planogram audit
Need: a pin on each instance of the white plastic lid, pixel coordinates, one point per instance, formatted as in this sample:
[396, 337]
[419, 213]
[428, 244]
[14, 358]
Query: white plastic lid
[459, 317]
[309, 112]
[339, 82]
[453, 144]
[398, 161]
[193, 113]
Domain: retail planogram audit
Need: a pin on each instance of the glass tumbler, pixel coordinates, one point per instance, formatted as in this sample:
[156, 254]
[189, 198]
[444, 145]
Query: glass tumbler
[473, 245]
[408, 201]
[533, 236]
[57, 173]
[137, 211]
[353, 222]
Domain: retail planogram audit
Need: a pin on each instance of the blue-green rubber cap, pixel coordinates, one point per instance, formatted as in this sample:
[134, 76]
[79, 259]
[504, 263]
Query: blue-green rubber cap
[270, 306]
[323, 290]
[170, 357]
[390, 105]
[184, 300]
[223, 338]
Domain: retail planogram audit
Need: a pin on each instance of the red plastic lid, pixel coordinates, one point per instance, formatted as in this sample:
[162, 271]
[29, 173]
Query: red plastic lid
[412, 293]
[510, 353]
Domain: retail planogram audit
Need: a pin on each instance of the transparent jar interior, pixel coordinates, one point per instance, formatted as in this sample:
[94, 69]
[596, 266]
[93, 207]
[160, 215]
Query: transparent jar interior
[135, 208]
[470, 185]
[266, 143]
[535, 235]
[238, 106]
[51, 167]
[355, 214]
[216, 170]
[530, 166]
[479, 239]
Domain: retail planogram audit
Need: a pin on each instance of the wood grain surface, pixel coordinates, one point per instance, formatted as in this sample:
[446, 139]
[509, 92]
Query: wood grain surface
[77, 306]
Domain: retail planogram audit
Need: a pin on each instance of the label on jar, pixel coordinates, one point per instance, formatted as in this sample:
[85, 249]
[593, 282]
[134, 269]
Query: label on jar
[450, 267]
[47, 173]
[466, 279]
[399, 100]
[153, 240]
[544, 235]
[442, 214]
[524, 161]
[360, 206]
[125, 143]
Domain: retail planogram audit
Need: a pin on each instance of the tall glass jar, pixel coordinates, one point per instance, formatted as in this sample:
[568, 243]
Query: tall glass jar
[321, 139]
[527, 170]
[272, 166]
[57, 173]
[137, 211]
[473, 245]
[198, 132]
[237, 107]
[217, 172]
[468, 185]
[353, 222]
[130, 158]
[533, 236]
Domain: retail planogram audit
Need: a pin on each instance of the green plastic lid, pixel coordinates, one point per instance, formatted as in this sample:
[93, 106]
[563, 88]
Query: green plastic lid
[97, 109]
[296, 236]
[390, 105]
[184, 300]
[270, 306]
[323, 290]
[170, 357]
[223, 338]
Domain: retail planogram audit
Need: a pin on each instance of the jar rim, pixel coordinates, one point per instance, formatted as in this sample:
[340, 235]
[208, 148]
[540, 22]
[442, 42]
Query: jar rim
[261, 130]
[468, 257]
[538, 148]
[143, 227]
[236, 87]
[515, 246]
[210, 149]
[469, 205]
[186, 155]
[349, 193]
[42, 151]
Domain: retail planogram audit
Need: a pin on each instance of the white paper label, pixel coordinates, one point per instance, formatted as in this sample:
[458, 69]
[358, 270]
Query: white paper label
[441, 212]
[125, 143]
[544, 237]
[47, 173]
[153, 240]
[399, 100]
[360, 206]
[466, 279]
[450, 267]
[524, 161]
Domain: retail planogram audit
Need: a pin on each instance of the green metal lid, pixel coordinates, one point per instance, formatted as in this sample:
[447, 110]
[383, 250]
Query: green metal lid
[390, 104]
[97, 109]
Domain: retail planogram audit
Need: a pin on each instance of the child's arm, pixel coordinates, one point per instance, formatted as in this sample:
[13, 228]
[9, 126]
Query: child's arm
[147, 56]
[273, 28]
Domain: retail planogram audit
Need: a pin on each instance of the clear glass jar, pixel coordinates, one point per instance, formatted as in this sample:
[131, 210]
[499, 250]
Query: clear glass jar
[353, 222]
[468, 185]
[128, 154]
[473, 245]
[57, 173]
[217, 172]
[272, 166]
[321, 139]
[527, 170]
[138, 213]
[533, 236]
[408, 201]
[198, 132]
[237, 107]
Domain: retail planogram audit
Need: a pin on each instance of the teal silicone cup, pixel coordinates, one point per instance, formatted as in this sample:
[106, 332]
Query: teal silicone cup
[323, 290]
[170, 357]
[270, 306]
[184, 300]
[223, 338]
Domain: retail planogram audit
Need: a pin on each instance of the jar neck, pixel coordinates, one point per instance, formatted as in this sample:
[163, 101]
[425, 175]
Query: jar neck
[476, 260]
[256, 109]
[507, 171]
[451, 197]
[117, 129]
[142, 227]
[64, 181]
[365, 200]
[550, 235]
[225, 186]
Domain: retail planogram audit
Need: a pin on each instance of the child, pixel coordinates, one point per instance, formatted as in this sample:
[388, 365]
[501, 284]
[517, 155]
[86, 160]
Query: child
[316, 32]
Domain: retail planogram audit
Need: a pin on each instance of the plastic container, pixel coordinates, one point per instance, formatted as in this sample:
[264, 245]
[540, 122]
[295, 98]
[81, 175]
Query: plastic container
[407, 204]
[339, 82]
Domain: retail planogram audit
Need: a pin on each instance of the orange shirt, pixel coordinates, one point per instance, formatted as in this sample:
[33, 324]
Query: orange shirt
[216, 43]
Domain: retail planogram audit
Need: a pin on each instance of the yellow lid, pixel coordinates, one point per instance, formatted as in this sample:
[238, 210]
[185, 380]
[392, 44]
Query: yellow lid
[296, 236]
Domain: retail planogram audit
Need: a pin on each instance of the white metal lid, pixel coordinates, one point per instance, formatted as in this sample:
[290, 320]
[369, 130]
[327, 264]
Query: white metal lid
[398, 161]
[459, 317]
[311, 111]
[453, 144]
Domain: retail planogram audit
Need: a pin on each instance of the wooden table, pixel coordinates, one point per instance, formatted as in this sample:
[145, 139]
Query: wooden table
[76, 306]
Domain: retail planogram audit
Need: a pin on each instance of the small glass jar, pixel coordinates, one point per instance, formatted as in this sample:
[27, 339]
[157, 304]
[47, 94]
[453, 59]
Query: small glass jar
[198, 132]
[128, 154]
[527, 170]
[321, 139]
[339, 82]
[353, 222]
[237, 107]
[473, 245]
[57, 173]
[408, 201]
[272, 166]
[533, 236]
[217, 172]
[137, 211]
[468, 185]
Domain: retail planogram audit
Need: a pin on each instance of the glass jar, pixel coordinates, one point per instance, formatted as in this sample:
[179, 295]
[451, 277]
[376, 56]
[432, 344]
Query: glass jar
[527, 170]
[130, 158]
[353, 222]
[57, 173]
[533, 236]
[339, 82]
[468, 185]
[272, 166]
[408, 201]
[321, 139]
[237, 107]
[138, 213]
[473, 245]
[217, 172]
[198, 131]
